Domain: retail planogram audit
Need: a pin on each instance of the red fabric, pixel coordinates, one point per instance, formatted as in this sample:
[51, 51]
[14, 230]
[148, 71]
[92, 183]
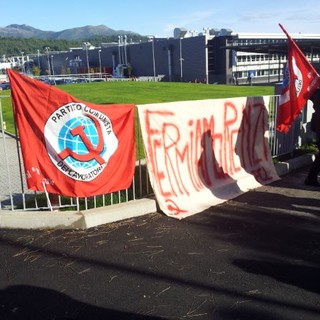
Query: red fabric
[72, 147]
[300, 81]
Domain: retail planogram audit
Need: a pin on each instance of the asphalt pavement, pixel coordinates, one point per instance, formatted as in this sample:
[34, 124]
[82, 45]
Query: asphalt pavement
[254, 257]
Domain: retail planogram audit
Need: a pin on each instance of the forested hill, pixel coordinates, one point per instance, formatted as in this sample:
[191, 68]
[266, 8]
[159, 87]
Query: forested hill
[14, 46]
[15, 39]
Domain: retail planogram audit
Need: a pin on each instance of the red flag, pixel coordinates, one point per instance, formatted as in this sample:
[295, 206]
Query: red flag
[300, 81]
[72, 147]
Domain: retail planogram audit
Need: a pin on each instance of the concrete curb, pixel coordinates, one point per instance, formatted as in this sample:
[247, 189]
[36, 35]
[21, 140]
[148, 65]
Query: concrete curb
[126, 210]
[95, 217]
[74, 219]
[283, 168]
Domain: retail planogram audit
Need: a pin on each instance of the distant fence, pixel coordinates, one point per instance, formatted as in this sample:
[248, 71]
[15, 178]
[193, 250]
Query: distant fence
[93, 77]
[14, 194]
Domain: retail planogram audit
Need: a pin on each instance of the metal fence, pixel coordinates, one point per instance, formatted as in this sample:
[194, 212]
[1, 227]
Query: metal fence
[299, 134]
[14, 194]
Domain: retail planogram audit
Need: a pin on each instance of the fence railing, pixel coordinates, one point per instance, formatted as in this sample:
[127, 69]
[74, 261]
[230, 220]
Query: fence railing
[14, 194]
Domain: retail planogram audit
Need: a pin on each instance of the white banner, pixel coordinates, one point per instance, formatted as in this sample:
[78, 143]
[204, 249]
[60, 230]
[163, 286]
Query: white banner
[202, 153]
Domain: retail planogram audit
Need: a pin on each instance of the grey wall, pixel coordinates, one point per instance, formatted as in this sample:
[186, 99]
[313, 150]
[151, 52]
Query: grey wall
[140, 56]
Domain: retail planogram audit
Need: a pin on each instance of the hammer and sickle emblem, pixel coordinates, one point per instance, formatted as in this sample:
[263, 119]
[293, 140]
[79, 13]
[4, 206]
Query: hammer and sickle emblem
[93, 152]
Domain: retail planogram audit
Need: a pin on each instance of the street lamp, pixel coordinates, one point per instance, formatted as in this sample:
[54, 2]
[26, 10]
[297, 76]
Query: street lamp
[39, 59]
[153, 58]
[100, 63]
[48, 59]
[86, 46]
[52, 65]
[22, 62]
[125, 50]
[181, 61]
[119, 49]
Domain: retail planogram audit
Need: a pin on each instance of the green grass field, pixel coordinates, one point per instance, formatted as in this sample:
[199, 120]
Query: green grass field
[143, 93]
[155, 92]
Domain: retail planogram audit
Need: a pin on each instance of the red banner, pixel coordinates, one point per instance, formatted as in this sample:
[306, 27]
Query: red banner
[300, 81]
[72, 147]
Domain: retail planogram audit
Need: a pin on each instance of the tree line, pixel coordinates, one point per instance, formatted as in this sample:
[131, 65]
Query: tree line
[11, 46]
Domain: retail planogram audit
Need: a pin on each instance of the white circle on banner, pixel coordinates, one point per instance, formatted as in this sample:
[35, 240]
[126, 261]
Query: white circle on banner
[79, 141]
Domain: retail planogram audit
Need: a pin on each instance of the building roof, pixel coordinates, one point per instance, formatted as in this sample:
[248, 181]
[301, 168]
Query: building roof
[306, 46]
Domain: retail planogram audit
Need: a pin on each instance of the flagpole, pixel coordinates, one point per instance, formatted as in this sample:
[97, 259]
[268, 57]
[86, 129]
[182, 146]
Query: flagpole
[47, 196]
[284, 30]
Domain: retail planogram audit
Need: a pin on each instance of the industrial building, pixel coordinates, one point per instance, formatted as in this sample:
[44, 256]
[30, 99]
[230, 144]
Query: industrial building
[215, 56]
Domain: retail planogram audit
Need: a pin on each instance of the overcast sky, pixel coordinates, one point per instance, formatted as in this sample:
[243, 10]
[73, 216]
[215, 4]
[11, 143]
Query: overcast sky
[160, 17]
